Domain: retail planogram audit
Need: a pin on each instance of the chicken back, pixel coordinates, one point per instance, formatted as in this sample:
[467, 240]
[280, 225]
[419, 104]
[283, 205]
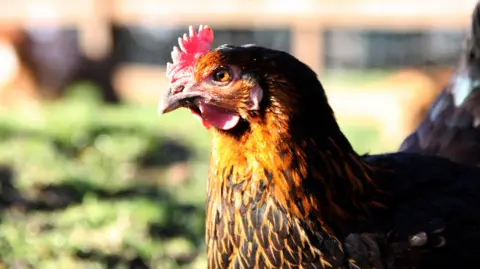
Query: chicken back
[451, 127]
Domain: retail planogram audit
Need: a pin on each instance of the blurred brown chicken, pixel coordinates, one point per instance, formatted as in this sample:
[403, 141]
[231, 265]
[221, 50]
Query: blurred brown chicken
[287, 190]
[451, 128]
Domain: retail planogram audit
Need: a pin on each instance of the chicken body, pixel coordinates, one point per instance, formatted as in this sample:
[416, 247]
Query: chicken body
[287, 190]
[252, 222]
[452, 126]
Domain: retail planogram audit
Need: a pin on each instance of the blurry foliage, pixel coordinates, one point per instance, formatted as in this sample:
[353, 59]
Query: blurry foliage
[73, 192]
[83, 185]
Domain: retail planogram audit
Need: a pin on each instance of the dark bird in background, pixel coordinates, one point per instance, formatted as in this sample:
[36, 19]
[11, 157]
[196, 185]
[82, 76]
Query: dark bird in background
[451, 128]
[287, 190]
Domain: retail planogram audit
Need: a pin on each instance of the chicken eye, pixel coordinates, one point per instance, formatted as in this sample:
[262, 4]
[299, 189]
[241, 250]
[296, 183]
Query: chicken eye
[222, 75]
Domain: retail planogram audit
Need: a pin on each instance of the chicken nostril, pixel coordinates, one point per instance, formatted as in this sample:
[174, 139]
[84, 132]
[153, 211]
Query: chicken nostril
[178, 89]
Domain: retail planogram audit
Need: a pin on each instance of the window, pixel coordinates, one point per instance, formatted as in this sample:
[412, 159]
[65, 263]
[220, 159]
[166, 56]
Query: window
[152, 45]
[381, 49]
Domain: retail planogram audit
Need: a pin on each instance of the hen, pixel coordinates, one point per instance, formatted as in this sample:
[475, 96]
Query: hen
[287, 190]
[451, 128]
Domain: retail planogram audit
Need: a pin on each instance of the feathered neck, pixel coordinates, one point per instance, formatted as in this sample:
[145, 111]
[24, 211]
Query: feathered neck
[311, 171]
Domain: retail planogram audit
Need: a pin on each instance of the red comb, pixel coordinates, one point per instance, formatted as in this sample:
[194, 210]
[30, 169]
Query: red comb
[192, 47]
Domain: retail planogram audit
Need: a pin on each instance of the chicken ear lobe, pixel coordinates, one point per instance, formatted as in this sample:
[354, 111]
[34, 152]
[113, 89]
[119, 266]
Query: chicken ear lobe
[256, 96]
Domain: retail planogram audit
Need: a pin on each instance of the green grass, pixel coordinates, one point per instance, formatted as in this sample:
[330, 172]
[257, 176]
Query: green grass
[85, 185]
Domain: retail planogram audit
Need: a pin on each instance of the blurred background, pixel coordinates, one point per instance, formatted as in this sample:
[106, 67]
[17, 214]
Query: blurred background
[91, 177]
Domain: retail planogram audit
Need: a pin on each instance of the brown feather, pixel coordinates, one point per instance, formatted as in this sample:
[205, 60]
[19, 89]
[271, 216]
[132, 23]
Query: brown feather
[259, 209]
[280, 188]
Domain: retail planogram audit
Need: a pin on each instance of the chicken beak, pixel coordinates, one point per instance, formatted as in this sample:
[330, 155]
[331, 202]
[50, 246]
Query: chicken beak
[169, 102]
[175, 98]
